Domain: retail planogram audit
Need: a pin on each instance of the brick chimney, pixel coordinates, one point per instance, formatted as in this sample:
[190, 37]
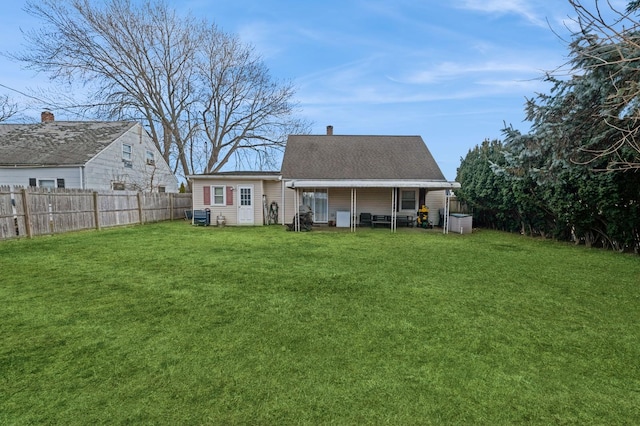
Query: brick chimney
[46, 117]
[329, 130]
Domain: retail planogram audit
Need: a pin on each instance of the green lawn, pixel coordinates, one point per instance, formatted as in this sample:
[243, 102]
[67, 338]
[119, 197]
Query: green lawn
[174, 324]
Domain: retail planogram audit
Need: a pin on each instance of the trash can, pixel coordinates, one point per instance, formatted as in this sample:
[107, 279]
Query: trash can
[208, 216]
[461, 223]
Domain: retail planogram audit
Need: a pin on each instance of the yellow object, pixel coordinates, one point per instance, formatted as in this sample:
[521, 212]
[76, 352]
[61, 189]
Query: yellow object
[423, 216]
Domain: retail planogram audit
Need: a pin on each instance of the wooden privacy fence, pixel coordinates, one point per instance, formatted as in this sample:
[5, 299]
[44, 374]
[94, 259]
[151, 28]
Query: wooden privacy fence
[28, 212]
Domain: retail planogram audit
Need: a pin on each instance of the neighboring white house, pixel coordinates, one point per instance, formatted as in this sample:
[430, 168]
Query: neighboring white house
[116, 155]
[337, 176]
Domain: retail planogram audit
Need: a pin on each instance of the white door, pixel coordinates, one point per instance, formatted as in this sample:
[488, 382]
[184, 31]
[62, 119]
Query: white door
[245, 205]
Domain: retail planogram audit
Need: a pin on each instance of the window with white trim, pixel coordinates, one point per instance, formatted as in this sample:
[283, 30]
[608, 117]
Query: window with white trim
[151, 161]
[126, 151]
[408, 200]
[47, 183]
[218, 196]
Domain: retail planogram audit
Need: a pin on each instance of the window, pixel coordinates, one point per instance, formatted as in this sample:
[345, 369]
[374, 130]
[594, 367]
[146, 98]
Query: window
[218, 196]
[408, 200]
[245, 196]
[126, 152]
[127, 155]
[162, 189]
[150, 158]
[47, 183]
[318, 200]
[117, 186]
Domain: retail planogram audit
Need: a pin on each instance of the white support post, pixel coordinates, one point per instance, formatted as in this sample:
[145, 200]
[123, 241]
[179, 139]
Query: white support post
[353, 209]
[394, 214]
[296, 224]
[283, 205]
[445, 219]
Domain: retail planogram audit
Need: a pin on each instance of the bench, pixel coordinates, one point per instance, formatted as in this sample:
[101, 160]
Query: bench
[407, 221]
[377, 219]
[401, 220]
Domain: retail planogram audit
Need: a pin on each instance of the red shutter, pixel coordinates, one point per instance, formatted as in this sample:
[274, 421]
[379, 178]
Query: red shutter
[207, 196]
[229, 195]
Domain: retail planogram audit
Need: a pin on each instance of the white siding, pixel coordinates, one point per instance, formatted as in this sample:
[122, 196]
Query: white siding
[274, 192]
[434, 201]
[368, 200]
[271, 189]
[108, 166]
[290, 204]
[21, 176]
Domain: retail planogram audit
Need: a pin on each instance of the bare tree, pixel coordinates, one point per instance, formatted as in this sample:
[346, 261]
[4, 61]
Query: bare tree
[8, 108]
[206, 98]
[608, 43]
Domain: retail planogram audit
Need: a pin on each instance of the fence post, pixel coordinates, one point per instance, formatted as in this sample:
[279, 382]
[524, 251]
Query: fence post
[25, 208]
[96, 212]
[140, 207]
[171, 206]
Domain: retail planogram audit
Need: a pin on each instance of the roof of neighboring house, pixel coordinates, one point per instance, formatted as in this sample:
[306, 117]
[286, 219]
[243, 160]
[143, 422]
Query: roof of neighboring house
[359, 157]
[58, 142]
[239, 175]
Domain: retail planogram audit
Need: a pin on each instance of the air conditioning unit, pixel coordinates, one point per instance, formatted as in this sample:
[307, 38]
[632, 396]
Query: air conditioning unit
[151, 162]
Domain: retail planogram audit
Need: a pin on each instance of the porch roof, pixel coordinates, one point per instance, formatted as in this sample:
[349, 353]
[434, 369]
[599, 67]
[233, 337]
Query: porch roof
[371, 183]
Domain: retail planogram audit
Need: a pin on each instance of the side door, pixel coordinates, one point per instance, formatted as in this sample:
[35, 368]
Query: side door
[245, 205]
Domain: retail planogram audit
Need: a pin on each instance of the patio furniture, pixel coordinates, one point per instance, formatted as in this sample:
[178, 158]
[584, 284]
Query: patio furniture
[385, 220]
[407, 221]
[365, 219]
[201, 217]
[306, 219]
[378, 219]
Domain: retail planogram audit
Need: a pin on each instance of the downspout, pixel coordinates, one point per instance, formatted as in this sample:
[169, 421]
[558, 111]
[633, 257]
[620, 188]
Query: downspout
[447, 207]
[83, 184]
[284, 207]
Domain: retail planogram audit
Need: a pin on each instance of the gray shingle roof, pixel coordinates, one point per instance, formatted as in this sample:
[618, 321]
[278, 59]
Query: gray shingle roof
[58, 142]
[359, 157]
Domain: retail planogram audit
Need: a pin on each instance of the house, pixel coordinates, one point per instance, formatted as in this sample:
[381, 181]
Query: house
[116, 155]
[338, 177]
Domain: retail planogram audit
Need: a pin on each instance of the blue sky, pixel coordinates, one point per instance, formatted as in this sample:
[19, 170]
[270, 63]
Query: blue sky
[450, 71]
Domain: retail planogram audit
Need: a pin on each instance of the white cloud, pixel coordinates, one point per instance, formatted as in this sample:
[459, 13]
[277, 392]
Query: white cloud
[447, 71]
[522, 8]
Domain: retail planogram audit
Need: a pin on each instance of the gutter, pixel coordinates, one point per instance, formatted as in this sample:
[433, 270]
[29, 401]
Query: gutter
[371, 183]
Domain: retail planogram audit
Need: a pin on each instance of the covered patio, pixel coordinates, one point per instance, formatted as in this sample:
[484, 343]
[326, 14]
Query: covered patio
[392, 187]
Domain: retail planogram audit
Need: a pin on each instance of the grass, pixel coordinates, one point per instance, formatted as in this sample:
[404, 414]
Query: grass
[174, 324]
